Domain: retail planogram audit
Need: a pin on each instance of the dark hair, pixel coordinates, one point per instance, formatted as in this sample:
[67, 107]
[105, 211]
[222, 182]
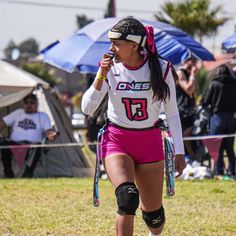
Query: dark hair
[160, 89]
[30, 96]
[191, 57]
[223, 70]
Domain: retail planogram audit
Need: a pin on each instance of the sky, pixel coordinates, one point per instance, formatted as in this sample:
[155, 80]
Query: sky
[49, 20]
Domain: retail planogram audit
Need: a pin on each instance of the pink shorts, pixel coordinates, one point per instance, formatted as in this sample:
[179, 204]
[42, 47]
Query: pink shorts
[144, 145]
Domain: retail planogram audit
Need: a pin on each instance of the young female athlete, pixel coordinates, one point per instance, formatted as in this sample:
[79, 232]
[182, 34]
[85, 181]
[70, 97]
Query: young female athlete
[131, 146]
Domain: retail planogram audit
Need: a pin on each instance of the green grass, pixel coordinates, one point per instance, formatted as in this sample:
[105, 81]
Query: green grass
[63, 206]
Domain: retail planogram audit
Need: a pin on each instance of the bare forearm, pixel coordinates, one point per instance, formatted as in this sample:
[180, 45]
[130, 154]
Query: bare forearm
[50, 134]
[191, 87]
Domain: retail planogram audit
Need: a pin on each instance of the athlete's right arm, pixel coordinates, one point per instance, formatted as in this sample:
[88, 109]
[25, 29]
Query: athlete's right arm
[105, 65]
[93, 97]
[95, 94]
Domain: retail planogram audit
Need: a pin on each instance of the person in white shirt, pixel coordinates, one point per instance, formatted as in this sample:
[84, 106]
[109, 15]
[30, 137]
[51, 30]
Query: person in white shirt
[27, 126]
[131, 147]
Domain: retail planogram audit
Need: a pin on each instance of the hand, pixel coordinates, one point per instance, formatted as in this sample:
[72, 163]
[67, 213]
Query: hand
[51, 135]
[180, 164]
[105, 64]
[194, 70]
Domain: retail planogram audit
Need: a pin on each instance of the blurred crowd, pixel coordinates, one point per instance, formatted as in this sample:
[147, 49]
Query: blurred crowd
[206, 102]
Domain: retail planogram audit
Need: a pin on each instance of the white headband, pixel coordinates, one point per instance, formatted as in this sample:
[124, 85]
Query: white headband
[134, 38]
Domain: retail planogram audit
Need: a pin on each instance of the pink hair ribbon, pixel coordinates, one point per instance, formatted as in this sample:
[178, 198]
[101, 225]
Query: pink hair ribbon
[150, 38]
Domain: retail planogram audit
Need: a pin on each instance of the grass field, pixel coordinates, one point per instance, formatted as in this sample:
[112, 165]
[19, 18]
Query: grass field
[63, 206]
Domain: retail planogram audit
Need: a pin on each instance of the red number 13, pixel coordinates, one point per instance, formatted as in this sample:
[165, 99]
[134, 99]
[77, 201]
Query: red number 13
[136, 109]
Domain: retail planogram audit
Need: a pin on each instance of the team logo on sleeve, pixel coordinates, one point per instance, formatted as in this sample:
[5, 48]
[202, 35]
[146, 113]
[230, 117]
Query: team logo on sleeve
[133, 86]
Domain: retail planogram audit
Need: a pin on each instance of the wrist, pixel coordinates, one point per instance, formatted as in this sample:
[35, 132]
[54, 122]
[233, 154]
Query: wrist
[100, 77]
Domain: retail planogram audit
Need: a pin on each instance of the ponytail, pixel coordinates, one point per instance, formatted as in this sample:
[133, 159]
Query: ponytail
[144, 37]
[160, 88]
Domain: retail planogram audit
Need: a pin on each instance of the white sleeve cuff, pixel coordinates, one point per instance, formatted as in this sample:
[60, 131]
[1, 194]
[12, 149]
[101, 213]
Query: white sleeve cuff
[176, 132]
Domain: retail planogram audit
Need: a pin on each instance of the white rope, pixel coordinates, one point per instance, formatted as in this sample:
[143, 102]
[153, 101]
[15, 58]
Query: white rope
[80, 144]
[42, 145]
[209, 137]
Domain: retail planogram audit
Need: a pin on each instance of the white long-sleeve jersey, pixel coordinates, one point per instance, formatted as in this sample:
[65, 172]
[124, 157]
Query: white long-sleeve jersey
[130, 103]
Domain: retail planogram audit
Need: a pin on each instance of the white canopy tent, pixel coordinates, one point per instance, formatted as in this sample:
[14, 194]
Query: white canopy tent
[16, 83]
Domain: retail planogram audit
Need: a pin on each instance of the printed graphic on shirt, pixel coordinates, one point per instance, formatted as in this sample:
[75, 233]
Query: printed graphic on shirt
[133, 86]
[136, 108]
[27, 124]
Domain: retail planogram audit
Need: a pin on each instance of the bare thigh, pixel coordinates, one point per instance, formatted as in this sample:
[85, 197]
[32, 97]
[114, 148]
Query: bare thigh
[149, 179]
[120, 168]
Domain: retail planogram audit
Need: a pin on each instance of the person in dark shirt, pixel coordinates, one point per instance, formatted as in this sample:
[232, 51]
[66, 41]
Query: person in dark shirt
[221, 98]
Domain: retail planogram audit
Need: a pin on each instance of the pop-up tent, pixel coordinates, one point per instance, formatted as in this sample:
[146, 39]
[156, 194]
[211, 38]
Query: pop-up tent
[62, 161]
[229, 44]
[16, 83]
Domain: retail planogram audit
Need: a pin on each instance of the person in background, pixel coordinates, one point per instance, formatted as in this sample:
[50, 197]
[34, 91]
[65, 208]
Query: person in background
[27, 126]
[185, 92]
[131, 146]
[220, 98]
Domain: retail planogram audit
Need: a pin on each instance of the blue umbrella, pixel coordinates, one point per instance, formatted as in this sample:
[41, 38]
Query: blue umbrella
[84, 49]
[229, 44]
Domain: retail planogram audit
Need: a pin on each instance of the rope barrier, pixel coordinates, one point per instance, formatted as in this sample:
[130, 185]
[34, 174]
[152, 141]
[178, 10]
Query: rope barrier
[209, 136]
[42, 145]
[80, 144]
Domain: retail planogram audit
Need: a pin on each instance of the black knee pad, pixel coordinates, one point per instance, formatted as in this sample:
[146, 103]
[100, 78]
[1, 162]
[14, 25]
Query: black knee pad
[154, 219]
[127, 196]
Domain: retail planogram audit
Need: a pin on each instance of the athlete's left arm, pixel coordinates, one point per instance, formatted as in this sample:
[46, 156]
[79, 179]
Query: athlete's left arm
[172, 114]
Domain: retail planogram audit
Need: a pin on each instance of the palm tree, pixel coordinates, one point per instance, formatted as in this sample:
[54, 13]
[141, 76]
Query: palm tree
[193, 16]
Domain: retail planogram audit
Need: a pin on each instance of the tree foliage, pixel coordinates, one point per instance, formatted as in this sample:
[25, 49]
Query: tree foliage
[82, 20]
[27, 48]
[41, 71]
[202, 81]
[9, 48]
[193, 16]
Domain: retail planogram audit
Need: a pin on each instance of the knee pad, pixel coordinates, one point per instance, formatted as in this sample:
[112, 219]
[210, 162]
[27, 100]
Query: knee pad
[154, 219]
[127, 196]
